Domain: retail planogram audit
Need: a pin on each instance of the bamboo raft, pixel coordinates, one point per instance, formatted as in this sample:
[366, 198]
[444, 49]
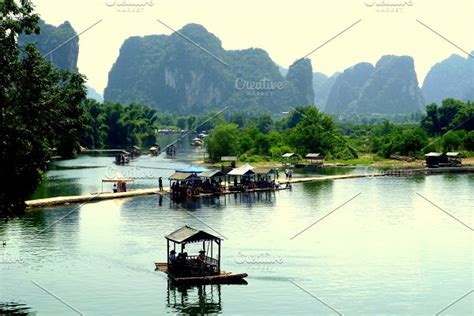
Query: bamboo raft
[222, 278]
[74, 199]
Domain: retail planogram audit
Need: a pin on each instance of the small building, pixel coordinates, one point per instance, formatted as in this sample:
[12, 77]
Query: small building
[290, 159]
[232, 159]
[134, 151]
[454, 159]
[183, 185]
[212, 174]
[435, 160]
[123, 157]
[265, 173]
[315, 158]
[266, 177]
[212, 181]
[243, 173]
[155, 151]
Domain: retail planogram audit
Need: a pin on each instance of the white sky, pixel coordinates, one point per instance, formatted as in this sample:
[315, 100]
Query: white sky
[287, 30]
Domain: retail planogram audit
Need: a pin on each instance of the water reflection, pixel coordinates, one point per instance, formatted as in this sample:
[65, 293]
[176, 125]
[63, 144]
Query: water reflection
[195, 300]
[327, 171]
[247, 199]
[55, 185]
[13, 308]
[250, 198]
[318, 188]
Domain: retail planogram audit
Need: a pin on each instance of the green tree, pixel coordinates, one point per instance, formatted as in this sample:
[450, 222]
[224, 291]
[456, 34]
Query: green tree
[451, 141]
[40, 109]
[469, 141]
[315, 132]
[94, 132]
[222, 141]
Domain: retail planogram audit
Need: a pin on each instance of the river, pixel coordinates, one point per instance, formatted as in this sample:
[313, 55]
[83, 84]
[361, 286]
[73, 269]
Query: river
[357, 246]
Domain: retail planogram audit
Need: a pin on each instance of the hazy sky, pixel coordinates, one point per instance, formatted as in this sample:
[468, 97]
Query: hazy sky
[287, 30]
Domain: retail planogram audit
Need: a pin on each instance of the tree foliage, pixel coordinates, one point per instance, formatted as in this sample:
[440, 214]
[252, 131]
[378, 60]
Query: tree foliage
[304, 130]
[40, 109]
[451, 115]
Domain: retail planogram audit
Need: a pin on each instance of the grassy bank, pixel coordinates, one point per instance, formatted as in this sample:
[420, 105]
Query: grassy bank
[365, 160]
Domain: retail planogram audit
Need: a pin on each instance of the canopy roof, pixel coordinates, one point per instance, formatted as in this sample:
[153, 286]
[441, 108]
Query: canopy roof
[229, 158]
[454, 154]
[117, 177]
[211, 174]
[193, 169]
[264, 170]
[314, 156]
[433, 154]
[188, 234]
[289, 155]
[180, 176]
[241, 171]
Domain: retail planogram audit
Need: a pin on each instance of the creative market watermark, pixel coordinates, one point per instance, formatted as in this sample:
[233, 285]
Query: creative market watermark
[112, 173]
[260, 260]
[129, 6]
[8, 259]
[388, 6]
[263, 87]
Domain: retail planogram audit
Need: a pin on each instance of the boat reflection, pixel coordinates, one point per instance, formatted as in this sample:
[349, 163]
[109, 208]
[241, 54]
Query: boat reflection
[220, 202]
[13, 308]
[194, 300]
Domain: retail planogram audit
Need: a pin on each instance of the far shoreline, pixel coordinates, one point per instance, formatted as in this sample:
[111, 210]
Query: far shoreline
[363, 161]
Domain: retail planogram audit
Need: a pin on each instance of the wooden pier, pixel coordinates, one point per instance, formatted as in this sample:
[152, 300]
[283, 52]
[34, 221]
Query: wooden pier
[78, 199]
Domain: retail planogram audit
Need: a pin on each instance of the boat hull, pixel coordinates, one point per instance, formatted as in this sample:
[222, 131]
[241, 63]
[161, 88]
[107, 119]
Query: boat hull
[222, 278]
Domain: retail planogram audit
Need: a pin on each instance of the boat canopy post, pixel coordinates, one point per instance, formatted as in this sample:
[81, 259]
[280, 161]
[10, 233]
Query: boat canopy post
[219, 256]
[168, 253]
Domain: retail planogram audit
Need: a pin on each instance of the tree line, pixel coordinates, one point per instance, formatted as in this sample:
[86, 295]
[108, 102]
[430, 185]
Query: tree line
[445, 127]
[305, 129]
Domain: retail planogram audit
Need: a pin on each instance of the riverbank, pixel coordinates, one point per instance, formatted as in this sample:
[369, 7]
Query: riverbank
[367, 160]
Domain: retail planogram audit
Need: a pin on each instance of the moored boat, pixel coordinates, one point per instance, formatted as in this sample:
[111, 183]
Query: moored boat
[197, 142]
[184, 269]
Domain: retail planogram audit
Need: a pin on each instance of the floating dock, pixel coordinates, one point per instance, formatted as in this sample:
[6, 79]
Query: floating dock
[65, 200]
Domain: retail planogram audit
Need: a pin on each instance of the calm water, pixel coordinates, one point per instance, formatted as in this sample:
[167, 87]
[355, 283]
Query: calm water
[387, 251]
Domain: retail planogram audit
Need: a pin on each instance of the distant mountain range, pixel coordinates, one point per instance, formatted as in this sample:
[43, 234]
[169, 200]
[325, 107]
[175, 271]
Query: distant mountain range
[453, 77]
[58, 44]
[389, 87]
[189, 72]
[93, 94]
